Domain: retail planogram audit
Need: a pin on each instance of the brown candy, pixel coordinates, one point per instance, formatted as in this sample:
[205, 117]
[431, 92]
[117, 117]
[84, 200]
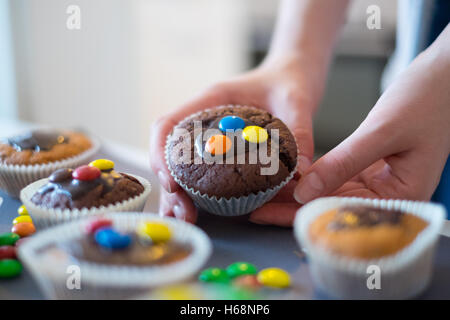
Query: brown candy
[61, 175]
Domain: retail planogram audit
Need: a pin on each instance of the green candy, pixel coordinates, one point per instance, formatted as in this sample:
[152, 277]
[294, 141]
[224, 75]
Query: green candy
[214, 275]
[8, 239]
[238, 269]
[10, 268]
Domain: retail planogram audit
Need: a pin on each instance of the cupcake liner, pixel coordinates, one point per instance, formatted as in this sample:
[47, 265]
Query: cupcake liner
[234, 206]
[101, 281]
[45, 217]
[403, 275]
[14, 178]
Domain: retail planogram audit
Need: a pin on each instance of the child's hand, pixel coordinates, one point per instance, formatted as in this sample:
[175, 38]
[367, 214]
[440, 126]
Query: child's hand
[287, 89]
[400, 150]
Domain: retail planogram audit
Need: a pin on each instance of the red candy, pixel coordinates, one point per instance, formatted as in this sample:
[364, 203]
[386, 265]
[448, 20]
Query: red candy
[86, 173]
[98, 224]
[7, 252]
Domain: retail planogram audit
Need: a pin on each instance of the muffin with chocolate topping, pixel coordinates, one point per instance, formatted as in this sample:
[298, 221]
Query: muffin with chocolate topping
[350, 241]
[88, 189]
[119, 254]
[34, 155]
[231, 159]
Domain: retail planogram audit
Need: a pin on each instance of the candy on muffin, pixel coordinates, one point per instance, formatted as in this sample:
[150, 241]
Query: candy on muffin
[231, 159]
[119, 254]
[369, 248]
[36, 154]
[90, 187]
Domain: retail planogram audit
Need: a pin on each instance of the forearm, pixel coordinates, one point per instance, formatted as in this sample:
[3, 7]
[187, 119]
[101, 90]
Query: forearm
[307, 28]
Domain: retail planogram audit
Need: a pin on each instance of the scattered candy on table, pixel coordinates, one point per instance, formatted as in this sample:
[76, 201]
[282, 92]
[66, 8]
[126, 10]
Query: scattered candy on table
[241, 268]
[7, 252]
[274, 277]
[95, 225]
[22, 219]
[24, 229]
[112, 239]
[10, 268]
[8, 239]
[214, 275]
[156, 231]
[255, 134]
[248, 281]
[22, 211]
[245, 275]
[86, 173]
[231, 123]
[102, 164]
[218, 144]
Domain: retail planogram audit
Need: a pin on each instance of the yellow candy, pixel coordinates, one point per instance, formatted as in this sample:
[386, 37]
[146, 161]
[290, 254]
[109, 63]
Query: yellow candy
[20, 219]
[158, 232]
[22, 210]
[255, 134]
[102, 164]
[274, 277]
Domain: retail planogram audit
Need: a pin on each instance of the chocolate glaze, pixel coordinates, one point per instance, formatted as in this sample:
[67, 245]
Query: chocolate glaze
[362, 216]
[37, 140]
[62, 181]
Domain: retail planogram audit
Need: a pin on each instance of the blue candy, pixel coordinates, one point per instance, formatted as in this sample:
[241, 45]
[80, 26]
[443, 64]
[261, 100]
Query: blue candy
[231, 123]
[111, 239]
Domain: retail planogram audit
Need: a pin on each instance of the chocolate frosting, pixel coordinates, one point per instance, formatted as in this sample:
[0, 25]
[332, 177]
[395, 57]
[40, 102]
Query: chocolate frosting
[62, 181]
[363, 216]
[37, 140]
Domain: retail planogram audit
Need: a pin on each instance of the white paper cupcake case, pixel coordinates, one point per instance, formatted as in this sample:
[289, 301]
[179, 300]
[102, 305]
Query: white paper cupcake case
[14, 178]
[403, 275]
[45, 217]
[235, 206]
[100, 281]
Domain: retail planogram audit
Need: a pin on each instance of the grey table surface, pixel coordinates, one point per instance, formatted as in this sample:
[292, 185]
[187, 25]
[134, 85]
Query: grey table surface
[234, 239]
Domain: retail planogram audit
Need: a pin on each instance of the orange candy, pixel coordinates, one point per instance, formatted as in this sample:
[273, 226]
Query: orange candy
[24, 229]
[218, 144]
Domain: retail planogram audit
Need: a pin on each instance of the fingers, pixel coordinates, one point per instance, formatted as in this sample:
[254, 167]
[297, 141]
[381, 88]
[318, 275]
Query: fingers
[217, 95]
[177, 204]
[276, 213]
[365, 146]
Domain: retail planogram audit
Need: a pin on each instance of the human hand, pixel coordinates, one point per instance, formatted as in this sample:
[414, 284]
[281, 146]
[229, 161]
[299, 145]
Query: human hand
[400, 149]
[287, 88]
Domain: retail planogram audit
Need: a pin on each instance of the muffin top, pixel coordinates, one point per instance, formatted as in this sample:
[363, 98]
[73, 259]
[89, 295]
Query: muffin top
[42, 146]
[231, 151]
[95, 185]
[365, 232]
[151, 243]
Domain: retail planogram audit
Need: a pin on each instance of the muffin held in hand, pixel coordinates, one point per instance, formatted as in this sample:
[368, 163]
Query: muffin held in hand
[365, 232]
[36, 154]
[231, 159]
[86, 188]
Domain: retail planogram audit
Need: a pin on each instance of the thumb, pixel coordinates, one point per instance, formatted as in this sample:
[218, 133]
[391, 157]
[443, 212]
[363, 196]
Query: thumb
[361, 149]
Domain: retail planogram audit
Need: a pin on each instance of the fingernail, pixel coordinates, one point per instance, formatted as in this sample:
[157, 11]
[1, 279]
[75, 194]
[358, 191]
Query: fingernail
[164, 181]
[303, 164]
[309, 187]
[178, 211]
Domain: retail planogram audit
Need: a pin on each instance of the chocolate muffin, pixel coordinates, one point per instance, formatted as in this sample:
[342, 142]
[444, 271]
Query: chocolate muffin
[365, 232]
[90, 186]
[42, 147]
[222, 159]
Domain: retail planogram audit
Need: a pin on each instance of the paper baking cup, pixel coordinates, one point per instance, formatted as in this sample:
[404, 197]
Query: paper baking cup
[234, 206]
[403, 275]
[45, 217]
[14, 178]
[102, 281]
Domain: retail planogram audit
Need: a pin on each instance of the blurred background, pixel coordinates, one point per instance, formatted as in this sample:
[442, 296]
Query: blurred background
[131, 61]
